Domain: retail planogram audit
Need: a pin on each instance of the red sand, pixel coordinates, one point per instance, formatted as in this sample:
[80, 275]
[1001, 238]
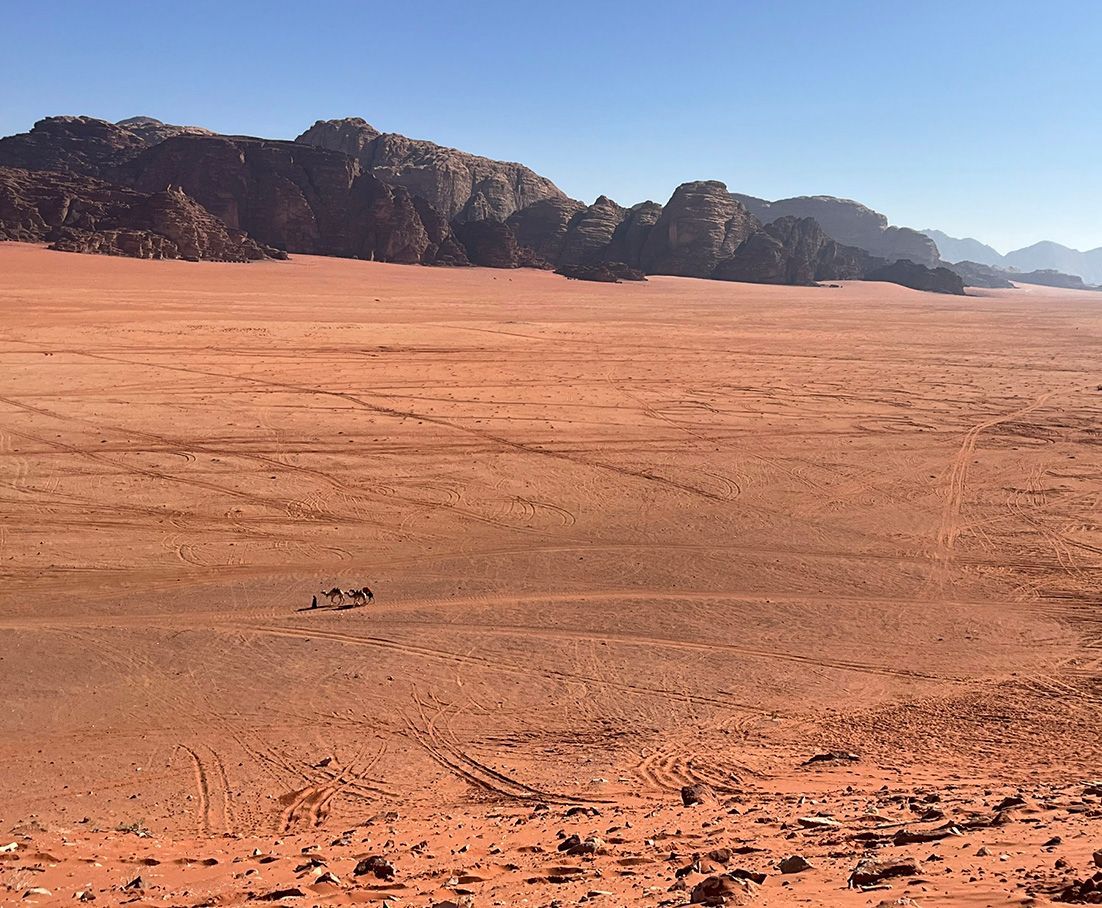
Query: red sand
[622, 538]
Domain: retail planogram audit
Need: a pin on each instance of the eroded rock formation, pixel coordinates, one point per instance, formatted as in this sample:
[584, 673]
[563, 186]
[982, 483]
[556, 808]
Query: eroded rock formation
[463, 186]
[83, 214]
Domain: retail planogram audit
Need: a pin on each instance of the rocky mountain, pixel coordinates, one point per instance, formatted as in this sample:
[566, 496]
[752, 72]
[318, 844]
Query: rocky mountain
[1045, 257]
[345, 189]
[700, 226]
[794, 251]
[851, 224]
[977, 275]
[955, 249]
[85, 145]
[82, 214]
[465, 187]
[1049, 256]
[300, 198]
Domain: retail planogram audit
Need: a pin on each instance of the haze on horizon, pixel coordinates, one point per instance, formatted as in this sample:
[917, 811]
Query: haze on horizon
[972, 119]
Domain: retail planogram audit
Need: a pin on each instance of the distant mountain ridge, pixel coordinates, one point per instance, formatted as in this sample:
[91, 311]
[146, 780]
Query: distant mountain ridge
[1040, 257]
[850, 223]
[344, 188]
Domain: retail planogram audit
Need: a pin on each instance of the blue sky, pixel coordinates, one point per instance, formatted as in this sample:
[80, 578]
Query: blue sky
[979, 117]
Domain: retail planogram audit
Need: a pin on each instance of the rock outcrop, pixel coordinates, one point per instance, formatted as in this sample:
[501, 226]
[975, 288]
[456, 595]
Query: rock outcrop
[918, 277]
[1049, 277]
[590, 231]
[852, 224]
[85, 145]
[602, 272]
[626, 243]
[492, 244]
[793, 251]
[300, 198]
[976, 274]
[543, 226]
[463, 186]
[83, 214]
[700, 226]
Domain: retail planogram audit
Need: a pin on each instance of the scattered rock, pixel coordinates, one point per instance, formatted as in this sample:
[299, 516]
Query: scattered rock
[1086, 891]
[277, 894]
[794, 864]
[692, 795]
[37, 891]
[722, 890]
[376, 865]
[818, 822]
[135, 883]
[873, 870]
[832, 756]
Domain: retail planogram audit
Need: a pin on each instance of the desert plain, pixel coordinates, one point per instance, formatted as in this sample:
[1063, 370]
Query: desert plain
[624, 540]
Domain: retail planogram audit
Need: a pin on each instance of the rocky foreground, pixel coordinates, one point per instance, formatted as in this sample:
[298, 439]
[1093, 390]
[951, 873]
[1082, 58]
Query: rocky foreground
[827, 837]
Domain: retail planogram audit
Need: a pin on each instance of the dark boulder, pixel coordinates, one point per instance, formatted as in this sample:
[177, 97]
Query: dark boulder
[603, 272]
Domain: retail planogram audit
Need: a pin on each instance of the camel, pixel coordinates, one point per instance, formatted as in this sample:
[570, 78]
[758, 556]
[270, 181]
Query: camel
[358, 597]
[335, 596]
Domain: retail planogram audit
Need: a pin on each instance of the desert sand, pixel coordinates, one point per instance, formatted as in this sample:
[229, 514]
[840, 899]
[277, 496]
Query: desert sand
[623, 539]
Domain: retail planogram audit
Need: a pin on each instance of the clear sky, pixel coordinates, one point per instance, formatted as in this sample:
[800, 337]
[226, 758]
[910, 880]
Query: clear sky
[978, 117]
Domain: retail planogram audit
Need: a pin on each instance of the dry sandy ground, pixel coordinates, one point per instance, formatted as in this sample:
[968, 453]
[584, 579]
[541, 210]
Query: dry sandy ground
[623, 539]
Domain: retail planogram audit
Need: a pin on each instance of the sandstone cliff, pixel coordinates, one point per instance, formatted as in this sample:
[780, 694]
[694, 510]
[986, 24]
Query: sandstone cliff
[793, 251]
[465, 187]
[699, 227]
[83, 214]
[85, 145]
[300, 198]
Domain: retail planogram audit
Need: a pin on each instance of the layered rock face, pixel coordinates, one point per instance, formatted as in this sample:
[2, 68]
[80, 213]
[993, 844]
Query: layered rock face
[464, 187]
[492, 244]
[918, 277]
[793, 251]
[590, 232]
[851, 224]
[83, 214]
[85, 145]
[626, 243]
[299, 198]
[543, 226]
[699, 227]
